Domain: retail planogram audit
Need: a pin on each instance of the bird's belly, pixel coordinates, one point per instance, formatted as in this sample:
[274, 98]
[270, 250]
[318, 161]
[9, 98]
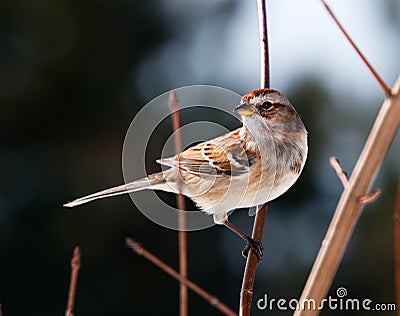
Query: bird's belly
[268, 190]
[229, 194]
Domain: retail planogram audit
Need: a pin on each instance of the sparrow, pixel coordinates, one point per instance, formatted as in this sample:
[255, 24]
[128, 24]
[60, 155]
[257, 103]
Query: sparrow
[247, 167]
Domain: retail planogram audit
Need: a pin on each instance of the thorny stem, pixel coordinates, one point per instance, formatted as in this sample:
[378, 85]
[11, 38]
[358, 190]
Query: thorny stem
[212, 300]
[180, 201]
[75, 266]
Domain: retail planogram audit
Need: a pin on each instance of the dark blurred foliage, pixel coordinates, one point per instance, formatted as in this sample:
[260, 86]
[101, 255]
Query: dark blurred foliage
[66, 101]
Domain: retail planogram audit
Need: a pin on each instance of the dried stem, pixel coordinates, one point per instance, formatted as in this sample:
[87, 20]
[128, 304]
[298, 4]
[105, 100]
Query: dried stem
[378, 78]
[212, 300]
[180, 202]
[349, 207]
[246, 293]
[370, 197]
[75, 265]
[342, 175]
[397, 245]
[263, 34]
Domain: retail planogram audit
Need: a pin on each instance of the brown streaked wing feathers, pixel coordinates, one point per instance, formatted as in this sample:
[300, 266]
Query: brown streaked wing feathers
[210, 158]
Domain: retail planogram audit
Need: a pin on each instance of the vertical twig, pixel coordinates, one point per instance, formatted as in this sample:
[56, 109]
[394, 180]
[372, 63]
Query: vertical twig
[75, 265]
[246, 293]
[378, 78]
[397, 246]
[212, 300]
[263, 35]
[180, 202]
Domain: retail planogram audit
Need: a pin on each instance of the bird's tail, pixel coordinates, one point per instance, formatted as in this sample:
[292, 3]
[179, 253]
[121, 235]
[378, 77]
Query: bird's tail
[137, 185]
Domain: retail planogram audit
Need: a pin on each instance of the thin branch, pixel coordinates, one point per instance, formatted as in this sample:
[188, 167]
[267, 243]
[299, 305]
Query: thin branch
[1, 310]
[370, 197]
[263, 35]
[366, 199]
[378, 78]
[180, 202]
[246, 294]
[212, 300]
[349, 207]
[342, 175]
[75, 266]
[397, 245]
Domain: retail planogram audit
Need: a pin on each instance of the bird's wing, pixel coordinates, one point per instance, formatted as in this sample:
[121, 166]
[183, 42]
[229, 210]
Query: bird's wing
[223, 155]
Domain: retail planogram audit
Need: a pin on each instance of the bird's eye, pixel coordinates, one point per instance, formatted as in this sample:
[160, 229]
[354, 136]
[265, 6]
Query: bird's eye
[266, 105]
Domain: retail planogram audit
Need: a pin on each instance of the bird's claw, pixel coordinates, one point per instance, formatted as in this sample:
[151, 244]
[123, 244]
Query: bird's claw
[256, 246]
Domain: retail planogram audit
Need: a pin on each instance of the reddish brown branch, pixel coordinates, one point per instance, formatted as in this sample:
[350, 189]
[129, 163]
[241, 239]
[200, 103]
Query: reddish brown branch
[378, 78]
[212, 300]
[397, 245]
[246, 294]
[342, 175]
[263, 35]
[75, 265]
[370, 197]
[364, 200]
[349, 207]
[180, 202]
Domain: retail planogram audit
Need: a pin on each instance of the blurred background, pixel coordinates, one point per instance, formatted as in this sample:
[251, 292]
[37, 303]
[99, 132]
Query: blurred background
[73, 74]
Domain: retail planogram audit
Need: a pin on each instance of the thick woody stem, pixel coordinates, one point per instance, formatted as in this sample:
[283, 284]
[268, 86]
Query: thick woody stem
[180, 202]
[351, 202]
[212, 300]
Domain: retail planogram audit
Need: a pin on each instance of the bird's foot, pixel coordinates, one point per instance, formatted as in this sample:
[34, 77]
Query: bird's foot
[256, 246]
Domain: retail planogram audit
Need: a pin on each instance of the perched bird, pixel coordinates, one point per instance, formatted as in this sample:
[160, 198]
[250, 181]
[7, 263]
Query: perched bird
[247, 167]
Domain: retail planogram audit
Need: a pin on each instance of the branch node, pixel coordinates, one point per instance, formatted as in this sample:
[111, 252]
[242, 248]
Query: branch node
[76, 259]
[75, 266]
[214, 301]
[370, 197]
[342, 175]
[134, 245]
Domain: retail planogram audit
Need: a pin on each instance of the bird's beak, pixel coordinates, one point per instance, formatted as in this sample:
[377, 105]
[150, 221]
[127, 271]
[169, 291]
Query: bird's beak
[244, 109]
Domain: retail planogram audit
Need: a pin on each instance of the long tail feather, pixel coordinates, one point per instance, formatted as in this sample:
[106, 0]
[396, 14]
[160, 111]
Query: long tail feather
[136, 185]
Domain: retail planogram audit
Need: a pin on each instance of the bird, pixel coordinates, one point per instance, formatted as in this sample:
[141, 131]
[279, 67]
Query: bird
[249, 166]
